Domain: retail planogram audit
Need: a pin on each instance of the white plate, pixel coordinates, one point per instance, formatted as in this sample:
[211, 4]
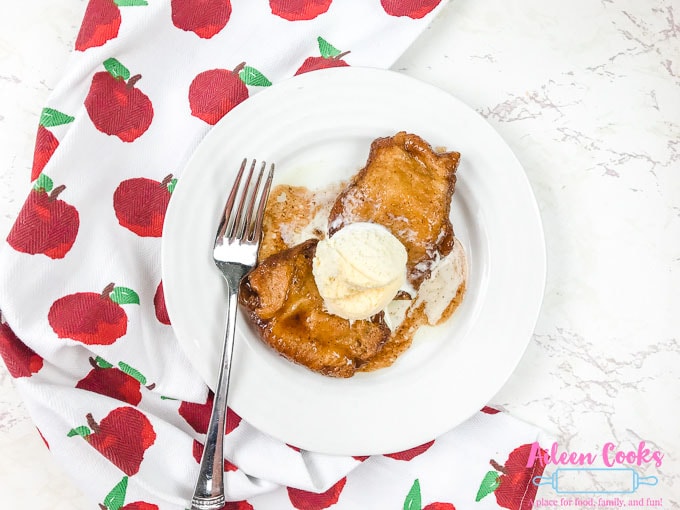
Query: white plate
[321, 124]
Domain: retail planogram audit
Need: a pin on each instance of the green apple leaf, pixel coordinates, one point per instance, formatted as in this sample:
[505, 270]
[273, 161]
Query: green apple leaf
[51, 117]
[114, 500]
[124, 296]
[413, 501]
[163, 397]
[132, 372]
[128, 3]
[326, 49]
[116, 69]
[44, 183]
[102, 363]
[81, 431]
[489, 484]
[171, 185]
[251, 76]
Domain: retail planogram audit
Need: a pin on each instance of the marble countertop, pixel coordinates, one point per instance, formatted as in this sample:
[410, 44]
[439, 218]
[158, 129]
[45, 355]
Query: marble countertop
[587, 94]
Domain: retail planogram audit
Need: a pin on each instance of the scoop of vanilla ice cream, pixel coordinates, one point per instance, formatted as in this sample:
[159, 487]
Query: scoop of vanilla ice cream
[359, 270]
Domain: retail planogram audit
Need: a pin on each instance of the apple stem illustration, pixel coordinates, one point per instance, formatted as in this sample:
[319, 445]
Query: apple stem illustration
[99, 362]
[239, 68]
[343, 54]
[166, 180]
[102, 507]
[134, 79]
[106, 293]
[91, 423]
[498, 467]
[56, 191]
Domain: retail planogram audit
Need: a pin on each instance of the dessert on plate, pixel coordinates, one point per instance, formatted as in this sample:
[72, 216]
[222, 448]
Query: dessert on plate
[349, 273]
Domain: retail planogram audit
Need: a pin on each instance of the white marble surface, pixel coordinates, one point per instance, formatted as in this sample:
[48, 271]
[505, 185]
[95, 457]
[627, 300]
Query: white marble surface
[587, 94]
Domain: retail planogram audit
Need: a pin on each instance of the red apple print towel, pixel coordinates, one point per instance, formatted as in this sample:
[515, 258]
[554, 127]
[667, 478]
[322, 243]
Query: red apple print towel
[84, 328]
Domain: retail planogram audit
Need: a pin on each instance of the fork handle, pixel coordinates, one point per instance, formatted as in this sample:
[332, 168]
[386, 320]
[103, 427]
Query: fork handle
[209, 490]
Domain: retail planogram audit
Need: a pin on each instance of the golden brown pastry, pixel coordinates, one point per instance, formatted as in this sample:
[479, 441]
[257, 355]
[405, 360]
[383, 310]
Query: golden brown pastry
[281, 299]
[407, 187]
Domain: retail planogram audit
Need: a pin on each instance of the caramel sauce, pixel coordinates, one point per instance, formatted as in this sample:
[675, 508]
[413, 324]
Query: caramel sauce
[402, 337]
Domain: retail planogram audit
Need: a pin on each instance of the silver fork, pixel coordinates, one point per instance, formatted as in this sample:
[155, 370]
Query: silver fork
[235, 254]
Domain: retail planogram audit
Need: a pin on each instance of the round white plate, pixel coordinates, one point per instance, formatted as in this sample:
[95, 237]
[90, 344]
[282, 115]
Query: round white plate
[317, 128]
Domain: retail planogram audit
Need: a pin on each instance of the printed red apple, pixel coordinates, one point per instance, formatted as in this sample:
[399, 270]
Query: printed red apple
[330, 57]
[115, 105]
[297, 10]
[237, 505]
[305, 500]
[45, 142]
[159, 305]
[205, 18]
[123, 383]
[101, 22]
[197, 452]
[45, 145]
[198, 415]
[414, 9]
[213, 93]
[116, 497]
[139, 505]
[20, 359]
[92, 318]
[512, 483]
[489, 410]
[140, 204]
[411, 452]
[45, 223]
[516, 490]
[414, 498]
[47, 445]
[122, 436]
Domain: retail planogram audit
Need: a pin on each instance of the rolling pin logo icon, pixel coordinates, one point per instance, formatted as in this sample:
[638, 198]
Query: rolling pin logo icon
[615, 480]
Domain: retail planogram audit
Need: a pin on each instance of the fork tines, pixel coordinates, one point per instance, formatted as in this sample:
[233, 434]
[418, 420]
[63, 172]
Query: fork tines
[239, 222]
